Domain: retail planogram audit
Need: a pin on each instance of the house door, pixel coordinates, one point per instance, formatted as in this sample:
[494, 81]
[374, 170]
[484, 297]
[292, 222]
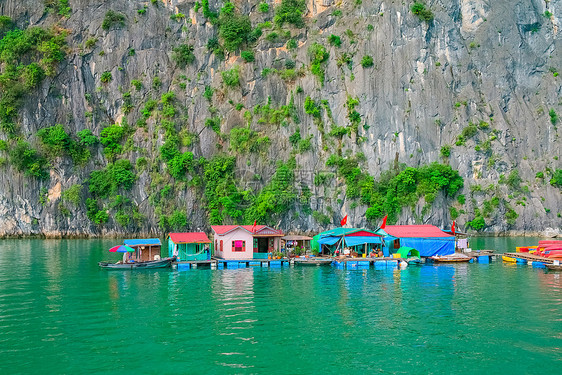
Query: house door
[263, 245]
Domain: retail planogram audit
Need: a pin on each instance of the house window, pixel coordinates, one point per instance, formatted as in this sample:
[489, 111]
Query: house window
[239, 246]
[221, 245]
[216, 245]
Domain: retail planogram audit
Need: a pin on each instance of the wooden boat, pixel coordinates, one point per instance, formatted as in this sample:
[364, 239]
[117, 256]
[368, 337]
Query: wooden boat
[161, 263]
[508, 259]
[313, 261]
[552, 267]
[455, 258]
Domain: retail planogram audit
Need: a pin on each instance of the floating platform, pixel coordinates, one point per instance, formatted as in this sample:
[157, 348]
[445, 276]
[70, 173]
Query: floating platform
[553, 267]
[312, 261]
[362, 263]
[243, 263]
[189, 264]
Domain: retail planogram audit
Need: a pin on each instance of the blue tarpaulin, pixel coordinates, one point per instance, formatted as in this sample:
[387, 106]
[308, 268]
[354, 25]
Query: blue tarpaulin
[143, 241]
[328, 240]
[429, 247]
[361, 240]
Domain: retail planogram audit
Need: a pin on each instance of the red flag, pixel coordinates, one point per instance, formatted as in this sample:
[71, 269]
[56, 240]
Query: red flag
[453, 227]
[344, 221]
[384, 222]
[254, 227]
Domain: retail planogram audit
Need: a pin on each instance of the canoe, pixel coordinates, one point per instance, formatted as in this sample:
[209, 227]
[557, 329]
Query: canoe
[313, 261]
[162, 263]
[553, 267]
[508, 259]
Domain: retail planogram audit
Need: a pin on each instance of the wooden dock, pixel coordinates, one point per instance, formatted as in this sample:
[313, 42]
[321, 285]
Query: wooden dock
[530, 257]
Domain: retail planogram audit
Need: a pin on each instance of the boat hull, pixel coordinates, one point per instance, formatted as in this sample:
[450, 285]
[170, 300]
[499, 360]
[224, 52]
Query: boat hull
[508, 259]
[162, 263]
[451, 259]
[313, 262]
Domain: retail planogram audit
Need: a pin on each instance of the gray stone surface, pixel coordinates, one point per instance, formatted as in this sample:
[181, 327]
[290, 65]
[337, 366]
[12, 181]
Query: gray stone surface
[493, 57]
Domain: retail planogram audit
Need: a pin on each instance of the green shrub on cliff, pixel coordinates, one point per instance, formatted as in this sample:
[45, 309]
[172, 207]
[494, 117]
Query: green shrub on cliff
[290, 11]
[111, 138]
[478, 223]
[54, 139]
[6, 24]
[57, 142]
[108, 181]
[334, 40]
[221, 194]
[112, 19]
[277, 197]
[106, 77]
[393, 190]
[318, 57]
[183, 55]
[87, 138]
[367, 61]
[420, 10]
[26, 57]
[72, 194]
[556, 179]
[231, 77]
[234, 28]
[26, 159]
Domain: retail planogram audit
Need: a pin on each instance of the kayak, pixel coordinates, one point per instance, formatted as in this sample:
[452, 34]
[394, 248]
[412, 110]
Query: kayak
[508, 259]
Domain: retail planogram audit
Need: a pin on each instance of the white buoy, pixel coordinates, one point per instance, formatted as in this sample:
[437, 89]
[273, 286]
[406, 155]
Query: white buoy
[403, 264]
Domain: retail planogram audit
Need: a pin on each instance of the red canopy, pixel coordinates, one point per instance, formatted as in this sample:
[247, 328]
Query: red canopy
[255, 230]
[192, 237]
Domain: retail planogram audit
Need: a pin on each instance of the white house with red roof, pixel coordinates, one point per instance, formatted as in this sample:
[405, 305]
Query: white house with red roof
[189, 246]
[245, 241]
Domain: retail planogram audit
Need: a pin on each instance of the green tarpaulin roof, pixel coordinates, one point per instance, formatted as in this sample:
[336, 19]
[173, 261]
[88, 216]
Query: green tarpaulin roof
[342, 231]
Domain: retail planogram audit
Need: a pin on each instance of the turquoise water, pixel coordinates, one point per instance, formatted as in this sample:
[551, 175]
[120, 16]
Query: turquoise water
[59, 313]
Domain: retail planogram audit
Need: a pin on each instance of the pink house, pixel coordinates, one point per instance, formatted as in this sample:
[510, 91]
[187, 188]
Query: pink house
[245, 241]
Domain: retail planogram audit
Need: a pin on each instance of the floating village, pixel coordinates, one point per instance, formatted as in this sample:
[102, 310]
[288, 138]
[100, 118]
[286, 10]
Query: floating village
[242, 246]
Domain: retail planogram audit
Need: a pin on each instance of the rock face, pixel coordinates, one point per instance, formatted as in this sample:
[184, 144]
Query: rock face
[491, 65]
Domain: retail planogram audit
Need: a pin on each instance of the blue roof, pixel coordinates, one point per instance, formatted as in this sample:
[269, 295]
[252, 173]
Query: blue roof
[143, 241]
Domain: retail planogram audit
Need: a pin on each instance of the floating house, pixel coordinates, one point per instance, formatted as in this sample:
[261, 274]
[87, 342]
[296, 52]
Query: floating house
[297, 244]
[189, 246]
[427, 239]
[359, 240]
[245, 241]
[145, 248]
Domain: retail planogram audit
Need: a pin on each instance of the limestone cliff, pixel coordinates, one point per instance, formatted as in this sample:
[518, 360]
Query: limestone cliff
[474, 85]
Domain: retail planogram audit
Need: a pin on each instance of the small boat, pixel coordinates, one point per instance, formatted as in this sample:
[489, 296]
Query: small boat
[313, 261]
[413, 260]
[554, 267]
[508, 259]
[161, 263]
[454, 258]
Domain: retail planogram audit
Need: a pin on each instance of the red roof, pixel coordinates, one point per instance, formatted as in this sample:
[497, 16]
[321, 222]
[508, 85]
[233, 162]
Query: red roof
[417, 231]
[224, 229]
[192, 237]
[362, 233]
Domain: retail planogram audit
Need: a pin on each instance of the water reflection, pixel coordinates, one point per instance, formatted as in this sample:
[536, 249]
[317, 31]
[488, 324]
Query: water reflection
[236, 314]
[59, 310]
